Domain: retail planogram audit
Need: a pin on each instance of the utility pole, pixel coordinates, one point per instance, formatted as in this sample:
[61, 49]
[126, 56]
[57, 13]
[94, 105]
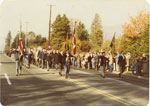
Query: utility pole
[50, 23]
[26, 36]
[20, 35]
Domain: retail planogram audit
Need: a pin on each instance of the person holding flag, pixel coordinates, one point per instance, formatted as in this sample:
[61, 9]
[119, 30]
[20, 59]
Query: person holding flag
[19, 58]
[19, 55]
[113, 53]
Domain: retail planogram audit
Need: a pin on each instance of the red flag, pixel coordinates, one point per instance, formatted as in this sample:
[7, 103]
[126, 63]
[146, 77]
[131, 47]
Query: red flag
[74, 42]
[20, 45]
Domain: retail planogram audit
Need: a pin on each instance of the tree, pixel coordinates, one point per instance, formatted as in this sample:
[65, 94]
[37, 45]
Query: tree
[137, 25]
[8, 40]
[96, 23]
[85, 46]
[60, 28]
[15, 43]
[96, 33]
[39, 40]
[30, 38]
[135, 37]
[81, 32]
[106, 46]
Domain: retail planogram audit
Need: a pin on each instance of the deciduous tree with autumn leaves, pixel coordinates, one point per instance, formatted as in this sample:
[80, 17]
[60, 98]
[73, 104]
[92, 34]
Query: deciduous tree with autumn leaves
[135, 37]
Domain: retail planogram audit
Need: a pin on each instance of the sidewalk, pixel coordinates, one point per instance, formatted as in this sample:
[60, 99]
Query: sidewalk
[126, 73]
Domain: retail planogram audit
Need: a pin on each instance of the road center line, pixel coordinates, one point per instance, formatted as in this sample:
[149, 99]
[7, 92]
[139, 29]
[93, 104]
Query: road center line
[101, 92]
[7, 78]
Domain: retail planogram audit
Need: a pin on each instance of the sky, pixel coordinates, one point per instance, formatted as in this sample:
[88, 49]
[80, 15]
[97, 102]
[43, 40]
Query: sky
[113, 14]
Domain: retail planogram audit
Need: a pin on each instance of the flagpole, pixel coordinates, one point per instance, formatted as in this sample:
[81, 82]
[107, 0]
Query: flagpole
[74, 39]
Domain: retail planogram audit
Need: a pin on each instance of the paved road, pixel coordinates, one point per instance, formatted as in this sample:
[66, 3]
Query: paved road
[38, 87]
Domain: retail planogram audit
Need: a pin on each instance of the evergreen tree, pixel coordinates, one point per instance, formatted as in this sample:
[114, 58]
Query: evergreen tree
[60, 29]
[81, 32]
[8, 40]
[96, 32]
[96, 23]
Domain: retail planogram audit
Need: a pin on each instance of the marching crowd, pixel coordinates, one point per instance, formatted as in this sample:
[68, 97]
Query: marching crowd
[100, 61]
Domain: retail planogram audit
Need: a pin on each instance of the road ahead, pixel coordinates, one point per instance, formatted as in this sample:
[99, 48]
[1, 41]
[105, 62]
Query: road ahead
[38, 87]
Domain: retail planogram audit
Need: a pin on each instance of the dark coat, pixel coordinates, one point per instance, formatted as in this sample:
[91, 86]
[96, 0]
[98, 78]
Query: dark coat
[40, 54]
[63, 59]
[89, 59]
[103, 60]
[56, 58]
[122, 61]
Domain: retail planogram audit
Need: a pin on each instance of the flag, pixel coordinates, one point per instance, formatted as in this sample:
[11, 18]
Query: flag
[74, 42]
[112, 45]
[112, 42]
[20, 39]
[20, 46]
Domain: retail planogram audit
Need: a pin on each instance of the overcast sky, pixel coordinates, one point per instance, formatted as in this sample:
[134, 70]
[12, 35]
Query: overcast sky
[113, 14]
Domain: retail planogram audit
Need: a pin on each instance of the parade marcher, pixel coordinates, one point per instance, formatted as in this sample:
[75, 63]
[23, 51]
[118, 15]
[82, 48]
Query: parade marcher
[30, 54]
[139, 65]
[36, 57]
[107, 63]
[43, 58]
[102, 61]
[62, 63]
[93, 62]
[133, 67]
[47, 59]
[39, 58]
[79, 61]
[19, 59]
[97, 61]
[128, 56]
[67, 65]
[89, 61]
[110, 62]
[145, 64]
[116, 60]
[56, 59]
[121, 64]
[53, 58]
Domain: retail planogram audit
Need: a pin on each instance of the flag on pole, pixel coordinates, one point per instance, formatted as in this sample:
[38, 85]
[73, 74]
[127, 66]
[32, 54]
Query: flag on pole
[20, 45]
[20, 39]
[112, 45]
[74, 42]
[112, 42]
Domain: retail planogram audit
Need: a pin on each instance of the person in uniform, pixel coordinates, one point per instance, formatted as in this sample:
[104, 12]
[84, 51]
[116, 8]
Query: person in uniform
[62, 62]
[102, 64]
[121, 64]
[19, 60]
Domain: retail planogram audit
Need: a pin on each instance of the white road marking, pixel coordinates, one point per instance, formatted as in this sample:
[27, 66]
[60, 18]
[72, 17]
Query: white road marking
[7, 78]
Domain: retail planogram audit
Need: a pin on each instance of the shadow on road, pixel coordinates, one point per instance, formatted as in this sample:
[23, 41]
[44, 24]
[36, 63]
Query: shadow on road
[34, 91]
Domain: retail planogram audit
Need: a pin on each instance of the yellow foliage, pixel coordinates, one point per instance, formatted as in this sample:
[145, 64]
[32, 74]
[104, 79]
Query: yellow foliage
[137, 25]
